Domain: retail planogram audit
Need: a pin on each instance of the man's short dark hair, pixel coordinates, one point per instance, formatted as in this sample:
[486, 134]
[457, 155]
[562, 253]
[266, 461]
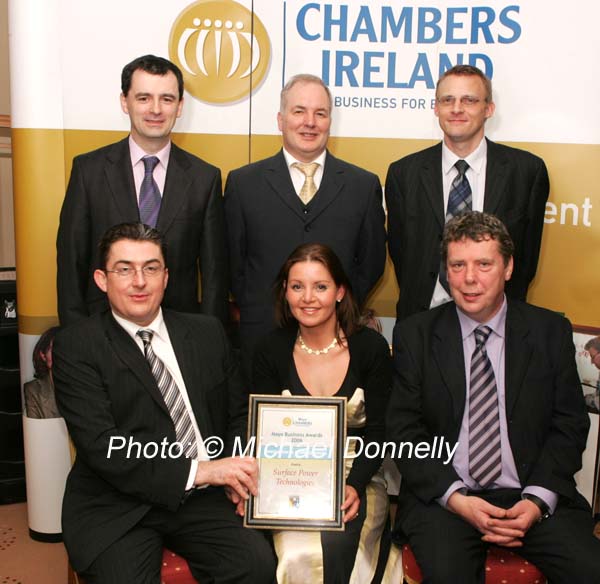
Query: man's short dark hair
[153, 65]
[593, 343]
[478, 226]
[468, 70]
[131, 231]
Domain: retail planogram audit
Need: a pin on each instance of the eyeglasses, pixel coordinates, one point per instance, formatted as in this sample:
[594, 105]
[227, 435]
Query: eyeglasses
[129, 272]
[465, 100]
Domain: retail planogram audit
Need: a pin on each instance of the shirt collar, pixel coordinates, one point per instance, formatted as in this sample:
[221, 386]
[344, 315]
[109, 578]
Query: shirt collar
[475, 160]
[157, 326]
[497, 323]
[137, 153]
[289, 159]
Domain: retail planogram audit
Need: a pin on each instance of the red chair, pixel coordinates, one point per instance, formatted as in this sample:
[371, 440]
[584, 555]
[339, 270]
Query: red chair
[175, 569]
[502, 566]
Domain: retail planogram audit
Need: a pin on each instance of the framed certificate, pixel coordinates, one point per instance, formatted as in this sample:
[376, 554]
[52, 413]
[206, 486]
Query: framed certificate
[299, 446]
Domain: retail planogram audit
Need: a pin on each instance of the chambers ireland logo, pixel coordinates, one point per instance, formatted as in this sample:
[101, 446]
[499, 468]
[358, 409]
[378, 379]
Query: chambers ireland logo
[222, 51]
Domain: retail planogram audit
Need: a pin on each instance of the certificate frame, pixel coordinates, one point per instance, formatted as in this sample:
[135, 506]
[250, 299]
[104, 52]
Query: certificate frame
[298, 442]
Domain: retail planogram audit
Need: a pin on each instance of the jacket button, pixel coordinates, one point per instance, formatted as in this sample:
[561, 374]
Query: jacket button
[307, 228]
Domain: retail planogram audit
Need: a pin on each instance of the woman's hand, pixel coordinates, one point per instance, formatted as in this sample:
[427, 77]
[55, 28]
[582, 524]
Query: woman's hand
[351, 504]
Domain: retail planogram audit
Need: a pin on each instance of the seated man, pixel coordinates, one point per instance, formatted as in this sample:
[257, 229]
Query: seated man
[147, 394]
[499, 377]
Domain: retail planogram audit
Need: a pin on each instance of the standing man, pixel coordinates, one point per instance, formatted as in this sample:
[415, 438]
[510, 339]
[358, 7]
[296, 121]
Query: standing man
[146, 178]
[148, 394]
[498, 377]
[302, 194]
[465, 171]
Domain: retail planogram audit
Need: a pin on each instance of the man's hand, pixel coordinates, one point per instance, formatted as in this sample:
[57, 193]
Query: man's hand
[351, 504]
[485, 517]
[521, 516]
[239, 474]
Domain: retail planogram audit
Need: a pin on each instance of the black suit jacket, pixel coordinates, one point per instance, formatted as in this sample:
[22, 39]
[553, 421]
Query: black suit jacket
[516, 191]
[545, 411]
[101, 193]
[266, 221]
[105, 390]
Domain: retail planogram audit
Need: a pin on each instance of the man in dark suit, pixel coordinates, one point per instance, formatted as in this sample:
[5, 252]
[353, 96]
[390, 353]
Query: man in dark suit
[150, 396]
[145, 177]
[424, 190]
[302, 194]
[499, 377]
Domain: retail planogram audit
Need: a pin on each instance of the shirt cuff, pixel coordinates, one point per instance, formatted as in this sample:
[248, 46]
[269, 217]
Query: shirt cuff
[549, 497]
[455, 486]
[192, 476]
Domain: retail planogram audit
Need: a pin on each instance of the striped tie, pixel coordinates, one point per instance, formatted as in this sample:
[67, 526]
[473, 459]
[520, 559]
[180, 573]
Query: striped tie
[485, 461]
[184, 431]
[150, 198]
[459, 201]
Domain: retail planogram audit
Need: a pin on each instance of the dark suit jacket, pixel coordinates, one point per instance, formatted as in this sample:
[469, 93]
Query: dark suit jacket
[516, 191]
[101, 193]
[105, 390]
[547, 420]
[266, 221]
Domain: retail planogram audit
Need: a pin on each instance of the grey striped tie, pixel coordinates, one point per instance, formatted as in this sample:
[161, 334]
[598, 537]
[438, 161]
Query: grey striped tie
[184, 430]
[485, 461]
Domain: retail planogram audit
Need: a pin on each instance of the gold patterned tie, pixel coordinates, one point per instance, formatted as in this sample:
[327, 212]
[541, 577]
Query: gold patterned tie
[309, 188]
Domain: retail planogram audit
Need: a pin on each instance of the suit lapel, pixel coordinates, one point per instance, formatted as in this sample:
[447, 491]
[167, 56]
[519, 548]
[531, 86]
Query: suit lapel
[451, 362]
[126, 349]
[331, 186]
[186, 352]
[277, 176]
[177, 184]
[518, 355]
[431, 179]
[119, 176]
[496, 176]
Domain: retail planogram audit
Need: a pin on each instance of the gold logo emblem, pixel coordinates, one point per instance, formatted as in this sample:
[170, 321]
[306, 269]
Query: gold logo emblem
[222, 51]
[287, 421]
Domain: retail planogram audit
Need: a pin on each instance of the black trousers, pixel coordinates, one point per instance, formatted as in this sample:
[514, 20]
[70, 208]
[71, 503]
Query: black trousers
[205, 531]
[449, 550]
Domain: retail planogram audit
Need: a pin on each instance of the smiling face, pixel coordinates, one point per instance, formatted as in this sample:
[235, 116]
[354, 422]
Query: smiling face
[477, 275]
[462, 123]
[136, 298]
[305, 121]
[312, 295]
[153, 105]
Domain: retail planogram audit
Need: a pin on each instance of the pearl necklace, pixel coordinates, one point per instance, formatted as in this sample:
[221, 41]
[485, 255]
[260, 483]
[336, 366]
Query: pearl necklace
[316, 351]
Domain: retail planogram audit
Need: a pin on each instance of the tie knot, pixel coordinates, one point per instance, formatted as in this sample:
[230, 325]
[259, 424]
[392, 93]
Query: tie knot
[151, 161]
[308, 169]
[146, 336]
[461, 166]
[482, 334]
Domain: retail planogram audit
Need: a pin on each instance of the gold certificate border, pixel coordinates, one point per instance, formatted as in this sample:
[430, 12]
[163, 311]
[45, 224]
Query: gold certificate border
[291, 404]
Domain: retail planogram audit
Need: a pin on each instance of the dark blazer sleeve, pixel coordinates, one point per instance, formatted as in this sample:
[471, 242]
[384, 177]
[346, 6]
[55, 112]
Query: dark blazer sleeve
[212, 255]
[407, 419]
[236, 235]
[393, 201]
[370, 260]
[73, 253]
[84, 371]
[549, 436]
[529, 248]
[370, 357]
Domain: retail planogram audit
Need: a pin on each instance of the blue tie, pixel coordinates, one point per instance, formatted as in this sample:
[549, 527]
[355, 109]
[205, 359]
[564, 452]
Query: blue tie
[459, 201]
[150, 198]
